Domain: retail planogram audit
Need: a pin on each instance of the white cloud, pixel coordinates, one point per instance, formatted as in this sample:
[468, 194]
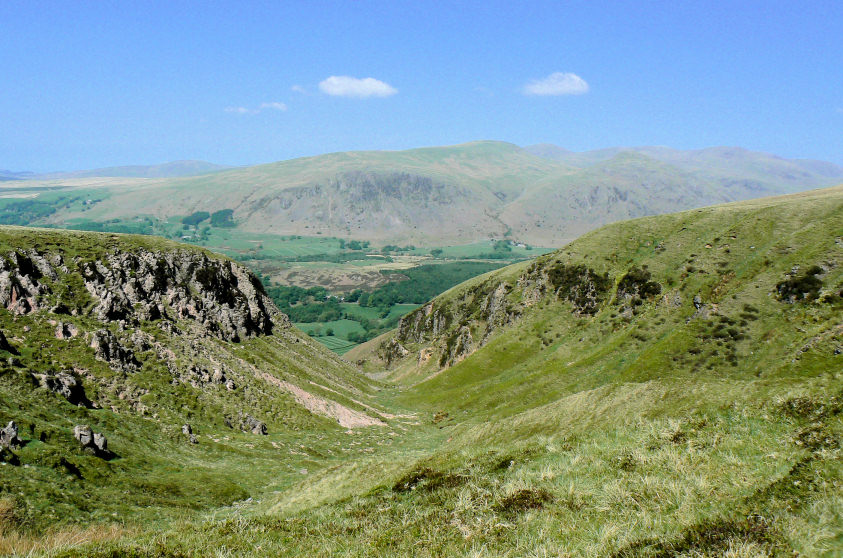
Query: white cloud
[347, 86]
[273, 106]
[238, 110]
[261, 108]
[298, 89]
[557, 83]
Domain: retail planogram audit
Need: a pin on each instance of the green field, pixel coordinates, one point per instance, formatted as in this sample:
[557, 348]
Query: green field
[372, 313]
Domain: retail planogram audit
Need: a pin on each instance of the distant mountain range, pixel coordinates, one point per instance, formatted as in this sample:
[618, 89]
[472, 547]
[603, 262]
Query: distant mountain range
[541, 194]
[164, 170]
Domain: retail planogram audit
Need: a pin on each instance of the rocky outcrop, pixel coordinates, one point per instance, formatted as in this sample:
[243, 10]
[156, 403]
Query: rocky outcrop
[583, 287]
[198, 376]
[21, 286]
[457, 347]
[107, 348]
[66, 385]
[392, 351]
[467, 322]
[66, 331]
[227, 300]
[248, 423]
[221, 296]
[423, 324]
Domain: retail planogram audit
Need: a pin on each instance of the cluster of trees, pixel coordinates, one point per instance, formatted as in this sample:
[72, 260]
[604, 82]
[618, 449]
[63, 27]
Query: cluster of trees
[420, 284]
[423, 283]
[23, 212]
[221, 218]
[354, 244]
[144, 226]
[394, 248]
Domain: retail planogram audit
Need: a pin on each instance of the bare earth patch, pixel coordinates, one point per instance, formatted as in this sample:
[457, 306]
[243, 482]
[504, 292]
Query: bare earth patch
[347, 418]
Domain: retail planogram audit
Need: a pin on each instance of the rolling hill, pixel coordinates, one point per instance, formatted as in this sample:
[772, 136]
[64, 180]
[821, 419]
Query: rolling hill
[443, 195]
[163, 170]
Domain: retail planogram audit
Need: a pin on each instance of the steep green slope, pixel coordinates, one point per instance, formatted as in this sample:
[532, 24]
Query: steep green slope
[204, 392]
[668, 386]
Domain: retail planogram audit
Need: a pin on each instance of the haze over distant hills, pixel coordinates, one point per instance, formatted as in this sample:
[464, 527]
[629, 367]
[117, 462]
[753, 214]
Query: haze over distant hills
[542, 194]
[163, 170]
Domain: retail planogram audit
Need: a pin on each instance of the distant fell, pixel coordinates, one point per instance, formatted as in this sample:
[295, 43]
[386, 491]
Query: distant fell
[163, 170]
[434, 196]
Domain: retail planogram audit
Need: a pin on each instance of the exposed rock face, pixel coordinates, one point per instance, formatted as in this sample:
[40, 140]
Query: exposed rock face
[66, 331]
[457, 347]
[222, 296]
[108, 348]
[466, 323]
[392, 350]
[423, 324]
[20, 285]
[67, 386]
[9, 436]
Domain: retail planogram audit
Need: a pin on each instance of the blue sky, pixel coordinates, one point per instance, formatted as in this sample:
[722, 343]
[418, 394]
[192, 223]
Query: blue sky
[91, 84]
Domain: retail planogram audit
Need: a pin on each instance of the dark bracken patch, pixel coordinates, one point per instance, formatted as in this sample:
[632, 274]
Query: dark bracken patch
[709, 537]
[580, 285]
[636, 284]
[801, 287]
[427, 479]
[524, 499]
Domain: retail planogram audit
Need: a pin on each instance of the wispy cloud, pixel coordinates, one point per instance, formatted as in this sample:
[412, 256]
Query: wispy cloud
[557, 83]
[238, 110]
[263, 106]
[273, 106]
[347, 86]
[298, 89]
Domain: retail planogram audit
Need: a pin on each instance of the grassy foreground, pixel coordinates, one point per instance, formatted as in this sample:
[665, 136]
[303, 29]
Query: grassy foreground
[702, 418]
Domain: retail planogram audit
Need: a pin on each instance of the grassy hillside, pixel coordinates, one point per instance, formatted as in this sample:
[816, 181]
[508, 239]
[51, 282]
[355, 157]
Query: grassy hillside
[136, 337]
[667, 386]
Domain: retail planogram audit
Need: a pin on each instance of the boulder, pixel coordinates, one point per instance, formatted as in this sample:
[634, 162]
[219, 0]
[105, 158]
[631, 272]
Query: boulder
[84, 435]
[93, 442]
[9, 436]
[248, 423]
[100, 443]
[188, 432]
